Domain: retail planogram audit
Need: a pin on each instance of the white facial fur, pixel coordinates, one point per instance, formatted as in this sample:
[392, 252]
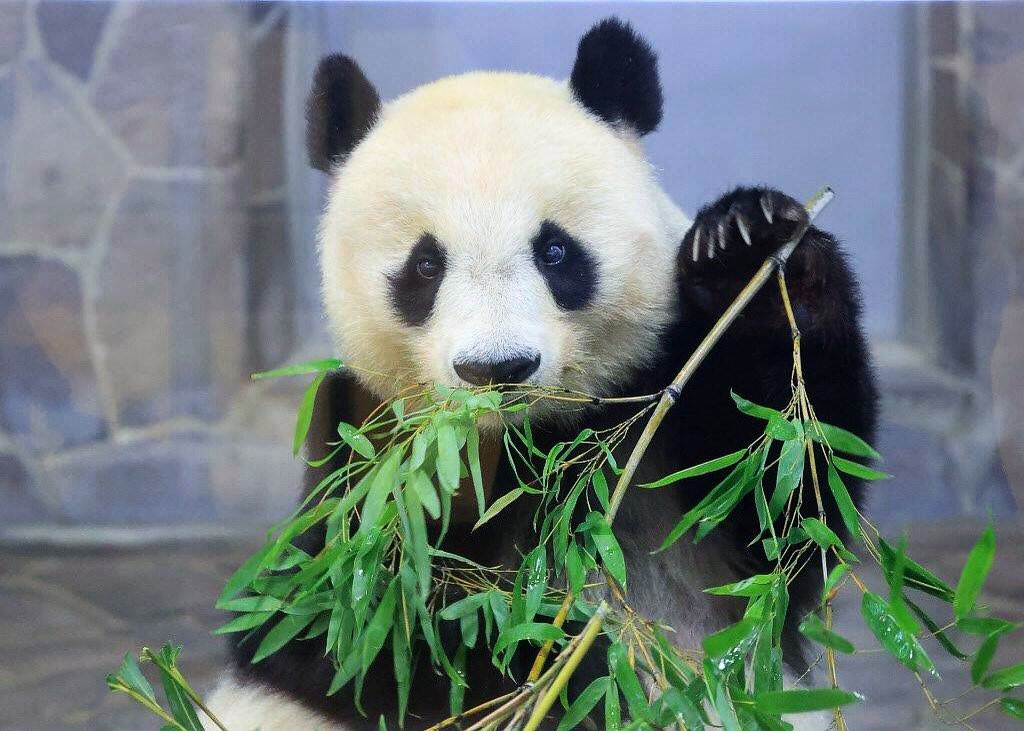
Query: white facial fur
[480, 161]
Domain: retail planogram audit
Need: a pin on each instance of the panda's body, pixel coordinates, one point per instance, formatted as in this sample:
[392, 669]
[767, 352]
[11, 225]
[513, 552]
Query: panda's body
[507, 227]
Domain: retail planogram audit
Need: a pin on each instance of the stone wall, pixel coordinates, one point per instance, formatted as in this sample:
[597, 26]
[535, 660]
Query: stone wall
[953, 430]
[141, 248]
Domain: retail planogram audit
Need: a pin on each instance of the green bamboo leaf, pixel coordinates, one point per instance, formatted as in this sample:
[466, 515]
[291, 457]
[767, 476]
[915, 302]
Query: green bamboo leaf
[132, 676]
[384, 483]
[583, 704]
[843, 441]
[767, 662]
[498, 505]
[536, 564]
[821, 534]
[1012, 707]
[252, 604]
[802, 701]
[712, 465]
[466, 605]
[983, 625]
[975, 571]
[733, 641]
[279, 635]
[423, 486]
[612, 709]
[1008, 677]
[380, 626]
[499, 609]
[305, 415]
[600, 483]
[353, 438]
[301, 369]
[340, 614]
[754, 586]
[608, 548]
[916, 575]
[717, 502]
[681, 709]
[724, 707]
[983, 658]
[417, 544]
[448, 462]
[751, 409]
[247, 572]
[574, 571]
[813, 627]
[848, 511]
[784, 430]
[424, 438]
[789, 472]
[834, 577]
[469, 625]
[244, 622]
[537, 631]
[897, 641]
[473, 457]
[178, 700]
[628, 682]
[457, 691]
[937, 631]
[858, 470]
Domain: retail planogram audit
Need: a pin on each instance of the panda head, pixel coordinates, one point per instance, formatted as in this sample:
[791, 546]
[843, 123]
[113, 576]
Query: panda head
[496, 227]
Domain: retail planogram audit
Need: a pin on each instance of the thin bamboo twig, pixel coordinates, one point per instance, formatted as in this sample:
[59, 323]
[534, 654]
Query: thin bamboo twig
[545, 649]
[804, 405]
[589, 634]
[778, 260]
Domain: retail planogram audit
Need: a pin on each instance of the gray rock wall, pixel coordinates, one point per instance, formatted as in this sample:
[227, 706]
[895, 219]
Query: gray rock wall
[141, 245]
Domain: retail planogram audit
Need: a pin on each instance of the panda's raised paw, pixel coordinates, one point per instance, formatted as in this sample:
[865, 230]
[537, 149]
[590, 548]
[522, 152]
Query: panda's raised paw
[737, 232]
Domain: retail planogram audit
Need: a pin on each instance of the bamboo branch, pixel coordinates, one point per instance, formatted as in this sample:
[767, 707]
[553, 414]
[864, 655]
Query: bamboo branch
[588, 636]
[668, 397]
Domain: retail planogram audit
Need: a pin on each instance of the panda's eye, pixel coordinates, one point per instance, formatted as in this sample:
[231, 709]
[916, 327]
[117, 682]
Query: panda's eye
[553, 253]
[428, 268]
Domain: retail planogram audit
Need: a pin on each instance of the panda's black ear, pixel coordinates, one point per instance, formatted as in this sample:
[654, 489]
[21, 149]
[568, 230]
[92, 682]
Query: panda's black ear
[341, 108]
[616, 77]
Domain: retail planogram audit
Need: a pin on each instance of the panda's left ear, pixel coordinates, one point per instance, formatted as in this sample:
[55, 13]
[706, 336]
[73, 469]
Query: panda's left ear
[341, 108]
[616, 77]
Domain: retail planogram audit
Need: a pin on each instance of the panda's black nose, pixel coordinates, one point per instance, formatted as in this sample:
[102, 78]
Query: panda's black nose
[512, 370]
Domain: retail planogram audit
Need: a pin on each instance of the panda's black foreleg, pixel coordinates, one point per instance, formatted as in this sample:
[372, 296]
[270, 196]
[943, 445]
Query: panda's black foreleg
[732, 237]
[728, 242]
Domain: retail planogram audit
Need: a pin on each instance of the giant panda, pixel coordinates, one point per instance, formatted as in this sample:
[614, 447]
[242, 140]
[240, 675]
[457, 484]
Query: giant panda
[507, 228]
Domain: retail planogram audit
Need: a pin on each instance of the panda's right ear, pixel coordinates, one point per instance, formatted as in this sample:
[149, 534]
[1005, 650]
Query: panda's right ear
[341, 108]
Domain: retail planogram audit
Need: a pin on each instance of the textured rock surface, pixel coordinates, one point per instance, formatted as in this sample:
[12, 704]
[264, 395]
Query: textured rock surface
[49, 398]
[171, 89]
[170, 311]
[60, 173]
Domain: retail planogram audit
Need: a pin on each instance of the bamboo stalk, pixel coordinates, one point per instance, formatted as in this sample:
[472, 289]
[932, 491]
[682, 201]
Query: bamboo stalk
[588, 636]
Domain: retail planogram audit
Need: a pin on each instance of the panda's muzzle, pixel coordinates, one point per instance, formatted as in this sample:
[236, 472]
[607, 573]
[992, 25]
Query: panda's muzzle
[510, 370]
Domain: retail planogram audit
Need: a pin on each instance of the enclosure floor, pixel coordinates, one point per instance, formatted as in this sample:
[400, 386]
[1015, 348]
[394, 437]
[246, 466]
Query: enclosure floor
[68, 615]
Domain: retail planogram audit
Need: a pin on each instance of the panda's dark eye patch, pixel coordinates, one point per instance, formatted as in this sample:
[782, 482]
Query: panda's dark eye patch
[570, 270]
[413, 288]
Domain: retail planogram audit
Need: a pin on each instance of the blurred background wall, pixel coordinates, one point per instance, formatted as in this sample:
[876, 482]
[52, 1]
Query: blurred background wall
[156, 219]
